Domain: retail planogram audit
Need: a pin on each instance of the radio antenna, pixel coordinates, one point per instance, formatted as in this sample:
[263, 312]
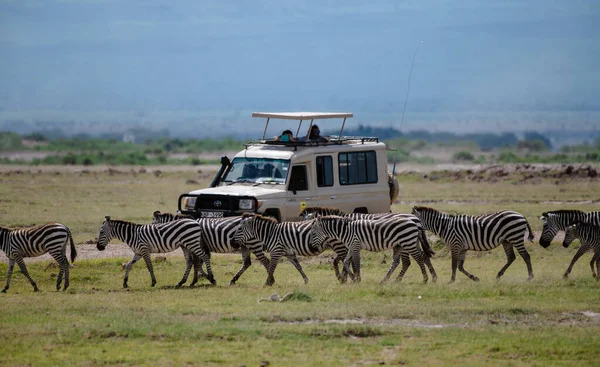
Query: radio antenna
[408, 88]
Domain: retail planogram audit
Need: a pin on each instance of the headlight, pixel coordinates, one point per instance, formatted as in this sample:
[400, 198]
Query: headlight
[246, 204]
[189, 202]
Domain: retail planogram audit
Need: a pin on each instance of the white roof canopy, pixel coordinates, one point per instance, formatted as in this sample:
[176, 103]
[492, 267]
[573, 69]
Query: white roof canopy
[302, 115]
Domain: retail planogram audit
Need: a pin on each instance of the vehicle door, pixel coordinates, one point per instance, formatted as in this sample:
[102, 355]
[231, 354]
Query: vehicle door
[298, 192]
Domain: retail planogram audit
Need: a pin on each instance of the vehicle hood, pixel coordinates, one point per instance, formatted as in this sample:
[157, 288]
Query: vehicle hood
[242, 190]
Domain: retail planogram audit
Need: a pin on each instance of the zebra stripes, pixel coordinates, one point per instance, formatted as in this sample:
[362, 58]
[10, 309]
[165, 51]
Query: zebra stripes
[427, 252]
[145, 239]
[283, 239]
[371, 235]
[35, 241]
[478, 233]
[558, 220]
[218, 238]
[589, 235]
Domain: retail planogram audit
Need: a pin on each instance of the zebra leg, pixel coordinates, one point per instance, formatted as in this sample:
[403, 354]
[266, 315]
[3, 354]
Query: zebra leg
[294, 260]
[396, 254]
[525, 255]
[580, 251]
[245, 265]
[128, 266]
[11, 265]
[21, 264]
[594, 260]
[198, 272]
[355, 251]
[461, 266]
[427, 261]
[205, 257]
[272, 266]
[148, 260]
[597, 258]
[63, 263]
[188, 265]
[510, 257]
[418, 256]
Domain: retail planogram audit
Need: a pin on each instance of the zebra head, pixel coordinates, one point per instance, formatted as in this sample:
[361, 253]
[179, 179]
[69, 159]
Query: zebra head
[429, 217]
[326, 228]
[249, 229]
[571, 233]
[106, 233]
[555, 222]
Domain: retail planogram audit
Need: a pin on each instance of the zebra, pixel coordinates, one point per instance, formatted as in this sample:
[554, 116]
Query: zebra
[427, 251]
[283, 239]
[589, 235]
[36, 241]
[145, 239]
[558, 220]
[218, 238]
[372, 235]
[478, 233]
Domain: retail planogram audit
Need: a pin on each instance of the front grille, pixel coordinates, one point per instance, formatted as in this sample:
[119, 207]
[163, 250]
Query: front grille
[211, 202]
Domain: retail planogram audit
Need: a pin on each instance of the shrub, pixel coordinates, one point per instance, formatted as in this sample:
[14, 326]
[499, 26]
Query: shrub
[463, 156]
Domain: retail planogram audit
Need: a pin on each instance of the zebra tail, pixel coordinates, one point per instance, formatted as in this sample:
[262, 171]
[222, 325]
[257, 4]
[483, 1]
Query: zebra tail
[73, 250]
[427, 250]
[531, 236]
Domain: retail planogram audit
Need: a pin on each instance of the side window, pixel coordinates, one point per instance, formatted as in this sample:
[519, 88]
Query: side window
[324, 171]
[358, 168]
[298, 181]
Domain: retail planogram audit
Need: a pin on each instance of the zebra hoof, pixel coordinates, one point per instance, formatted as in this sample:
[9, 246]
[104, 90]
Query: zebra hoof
[4, 290]
[475, 279]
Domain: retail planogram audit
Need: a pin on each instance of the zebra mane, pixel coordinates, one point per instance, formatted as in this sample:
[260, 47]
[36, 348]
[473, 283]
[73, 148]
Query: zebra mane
[158, 214]
[259, 217]
[563, 211]
[321, 210]
[126, 222]
[334, 218]
[426, 209]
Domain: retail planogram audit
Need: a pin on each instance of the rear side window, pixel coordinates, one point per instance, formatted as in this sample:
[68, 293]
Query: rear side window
[357, 168]
[324, 171]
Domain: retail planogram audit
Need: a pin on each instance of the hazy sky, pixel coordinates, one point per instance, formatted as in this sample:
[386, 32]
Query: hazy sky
[105, 60]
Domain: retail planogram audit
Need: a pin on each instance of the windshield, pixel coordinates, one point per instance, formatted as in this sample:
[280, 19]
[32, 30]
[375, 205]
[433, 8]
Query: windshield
[257, 170]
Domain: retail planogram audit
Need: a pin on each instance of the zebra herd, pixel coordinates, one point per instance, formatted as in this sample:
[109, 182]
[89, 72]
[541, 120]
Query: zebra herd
[320, 229]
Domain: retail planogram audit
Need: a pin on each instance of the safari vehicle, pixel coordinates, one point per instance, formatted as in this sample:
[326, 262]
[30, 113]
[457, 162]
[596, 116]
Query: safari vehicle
[278, 178]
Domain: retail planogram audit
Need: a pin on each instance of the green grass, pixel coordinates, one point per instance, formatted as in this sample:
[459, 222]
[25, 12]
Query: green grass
[512, 322]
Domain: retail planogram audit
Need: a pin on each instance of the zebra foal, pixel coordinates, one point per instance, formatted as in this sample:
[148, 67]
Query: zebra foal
[145, 239]
[218, 238]
[589, 235]
[399, 234]
[479, 233]
[426, 250]
[35, 241]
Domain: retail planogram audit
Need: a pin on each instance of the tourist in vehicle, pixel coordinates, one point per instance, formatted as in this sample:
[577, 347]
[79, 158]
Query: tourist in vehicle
[315, 134]
[286, 136]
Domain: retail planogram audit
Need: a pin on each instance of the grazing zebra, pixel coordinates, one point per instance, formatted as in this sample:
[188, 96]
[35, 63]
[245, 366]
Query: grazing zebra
[218, 238]
[478, 233]
[372, 235]
[427, 251]
[558, 220]
[283, 239]
[36, 241]
[589, 235]
[145, 239]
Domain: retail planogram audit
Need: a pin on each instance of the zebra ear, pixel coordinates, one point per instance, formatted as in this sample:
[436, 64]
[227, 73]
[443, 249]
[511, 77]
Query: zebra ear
[107, 218]
[156, 214]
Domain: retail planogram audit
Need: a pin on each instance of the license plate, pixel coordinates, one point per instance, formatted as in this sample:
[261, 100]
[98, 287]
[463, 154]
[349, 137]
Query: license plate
[211, 214]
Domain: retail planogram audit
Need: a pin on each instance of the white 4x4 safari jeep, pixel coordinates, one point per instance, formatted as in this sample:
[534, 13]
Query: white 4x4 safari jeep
[279, 178]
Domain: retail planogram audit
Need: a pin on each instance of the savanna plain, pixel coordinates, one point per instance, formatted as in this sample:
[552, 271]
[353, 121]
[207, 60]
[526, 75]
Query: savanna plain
[510, 322]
